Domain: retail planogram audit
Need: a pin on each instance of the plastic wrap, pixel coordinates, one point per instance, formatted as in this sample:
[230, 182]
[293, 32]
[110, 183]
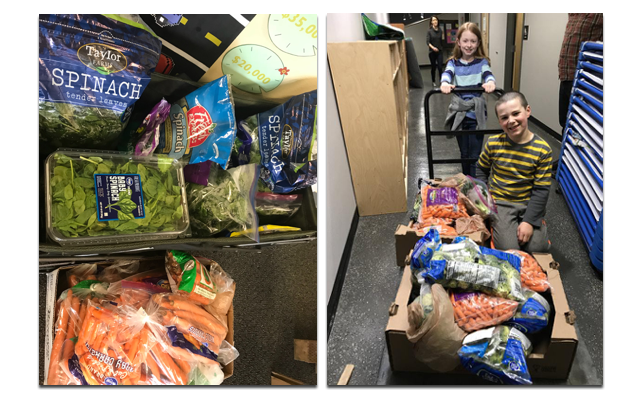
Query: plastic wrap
[227, 202]
[442, 202]
[71, 310]
[465, 265]
[268, 204]
[92, 69]
[475, 310]
[532, 315]
[199, 127]
[207, 285]
[532, 274]
[498, 355]
[281, 140]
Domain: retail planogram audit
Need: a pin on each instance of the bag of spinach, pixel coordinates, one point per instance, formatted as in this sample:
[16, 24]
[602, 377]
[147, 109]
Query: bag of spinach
[92, 69]
[226, 202]
[197, 128]
[282, 141]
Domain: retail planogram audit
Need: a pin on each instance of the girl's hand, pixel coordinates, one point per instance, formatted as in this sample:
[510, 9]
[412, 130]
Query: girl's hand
[489, 86]
[446, 87]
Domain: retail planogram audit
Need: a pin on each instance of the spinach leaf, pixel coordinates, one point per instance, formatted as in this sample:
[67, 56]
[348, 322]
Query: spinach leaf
[74, 203]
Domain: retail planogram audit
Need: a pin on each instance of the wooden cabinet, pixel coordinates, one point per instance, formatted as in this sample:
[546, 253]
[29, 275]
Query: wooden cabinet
[371, 86]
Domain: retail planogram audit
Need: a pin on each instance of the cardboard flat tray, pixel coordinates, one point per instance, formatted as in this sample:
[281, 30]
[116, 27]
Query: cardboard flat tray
[553, 350]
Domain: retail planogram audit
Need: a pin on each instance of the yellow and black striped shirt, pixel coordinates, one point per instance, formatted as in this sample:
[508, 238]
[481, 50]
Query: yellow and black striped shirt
[519, 173]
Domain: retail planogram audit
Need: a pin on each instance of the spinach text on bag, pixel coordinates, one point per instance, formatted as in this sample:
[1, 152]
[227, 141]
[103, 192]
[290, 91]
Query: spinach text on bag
[282, 141]
[92, 69]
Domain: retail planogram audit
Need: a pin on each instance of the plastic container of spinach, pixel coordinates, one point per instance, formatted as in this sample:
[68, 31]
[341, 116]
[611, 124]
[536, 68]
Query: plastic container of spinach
[95, 198]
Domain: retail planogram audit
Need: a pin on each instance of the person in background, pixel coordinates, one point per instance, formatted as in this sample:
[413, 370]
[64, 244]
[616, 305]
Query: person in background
[516, 165]
[580, 28]
[468, 67]
[434, 42]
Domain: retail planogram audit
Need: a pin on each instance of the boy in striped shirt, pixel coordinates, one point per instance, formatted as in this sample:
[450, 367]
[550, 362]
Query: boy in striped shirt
[517, 167]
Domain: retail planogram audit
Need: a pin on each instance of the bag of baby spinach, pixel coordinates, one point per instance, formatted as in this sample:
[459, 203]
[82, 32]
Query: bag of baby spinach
[92, 69]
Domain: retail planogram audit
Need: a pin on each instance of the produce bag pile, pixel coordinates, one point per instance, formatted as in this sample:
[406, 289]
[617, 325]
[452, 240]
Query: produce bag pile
[93, 69]
[164, 326]
[457, 206]
[491, 296]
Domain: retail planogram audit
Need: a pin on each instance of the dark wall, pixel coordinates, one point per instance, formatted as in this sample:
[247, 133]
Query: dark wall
[408, 18]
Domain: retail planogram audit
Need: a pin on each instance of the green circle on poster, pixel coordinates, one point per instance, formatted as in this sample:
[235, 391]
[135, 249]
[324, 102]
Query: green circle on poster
[254, 68]
[295, 34]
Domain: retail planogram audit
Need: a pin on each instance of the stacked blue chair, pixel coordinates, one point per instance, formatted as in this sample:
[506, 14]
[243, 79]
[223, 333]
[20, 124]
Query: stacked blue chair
[580, 171]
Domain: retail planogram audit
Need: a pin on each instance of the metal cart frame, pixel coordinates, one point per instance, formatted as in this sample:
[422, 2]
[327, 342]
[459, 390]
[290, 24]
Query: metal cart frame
[429, 133]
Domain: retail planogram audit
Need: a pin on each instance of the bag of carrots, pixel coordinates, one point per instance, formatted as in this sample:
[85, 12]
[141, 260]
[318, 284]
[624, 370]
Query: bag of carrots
[71, 310]
[442, 202]
[475, 310]
[532, 275]
[532, 315]
[112, 344]
[474, 194]
[189, 278]
[188, 336]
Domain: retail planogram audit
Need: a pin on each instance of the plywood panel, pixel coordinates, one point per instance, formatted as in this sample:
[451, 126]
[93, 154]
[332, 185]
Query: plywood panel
[363, 79]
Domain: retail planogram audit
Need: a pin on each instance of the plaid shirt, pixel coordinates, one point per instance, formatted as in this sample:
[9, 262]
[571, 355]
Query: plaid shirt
[580, 28]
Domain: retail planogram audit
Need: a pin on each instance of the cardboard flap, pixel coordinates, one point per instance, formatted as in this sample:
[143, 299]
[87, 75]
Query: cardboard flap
[563, 322]
[398, 309]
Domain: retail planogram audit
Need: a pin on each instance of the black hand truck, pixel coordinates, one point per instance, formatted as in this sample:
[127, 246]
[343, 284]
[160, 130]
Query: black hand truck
[429, 133]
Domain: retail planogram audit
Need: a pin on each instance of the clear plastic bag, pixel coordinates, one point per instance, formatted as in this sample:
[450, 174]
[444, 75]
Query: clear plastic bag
[432, 329]
[268, 204]
[113, 344]
[91, 111]
[532, 315]
[71, 309]
[227, 202]
[119, 270]
[475, 310]
[532, 274]
[498, 355]
[441, 202]
[81, 272]
[202, 281]
[474, 194]
[467, 266]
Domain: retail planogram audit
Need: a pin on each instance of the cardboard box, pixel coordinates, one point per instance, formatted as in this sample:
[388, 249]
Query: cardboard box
[553, 350]
[406, 237]
[56, 283]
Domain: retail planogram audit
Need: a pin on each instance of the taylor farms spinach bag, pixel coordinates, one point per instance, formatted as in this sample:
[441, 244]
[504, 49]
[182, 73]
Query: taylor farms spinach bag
[98, 198]
[92, 69]
[199, 127]
[282, 141]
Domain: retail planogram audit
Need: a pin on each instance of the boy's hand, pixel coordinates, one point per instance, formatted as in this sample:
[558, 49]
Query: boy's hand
[489, 87]
[524, 232]
[446, 87]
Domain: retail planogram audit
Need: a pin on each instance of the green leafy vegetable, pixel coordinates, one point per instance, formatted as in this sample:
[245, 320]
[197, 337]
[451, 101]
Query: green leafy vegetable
[74, 204]
[225, 203]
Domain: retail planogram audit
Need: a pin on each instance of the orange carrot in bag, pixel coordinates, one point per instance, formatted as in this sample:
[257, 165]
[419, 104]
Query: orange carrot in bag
[60, 336]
